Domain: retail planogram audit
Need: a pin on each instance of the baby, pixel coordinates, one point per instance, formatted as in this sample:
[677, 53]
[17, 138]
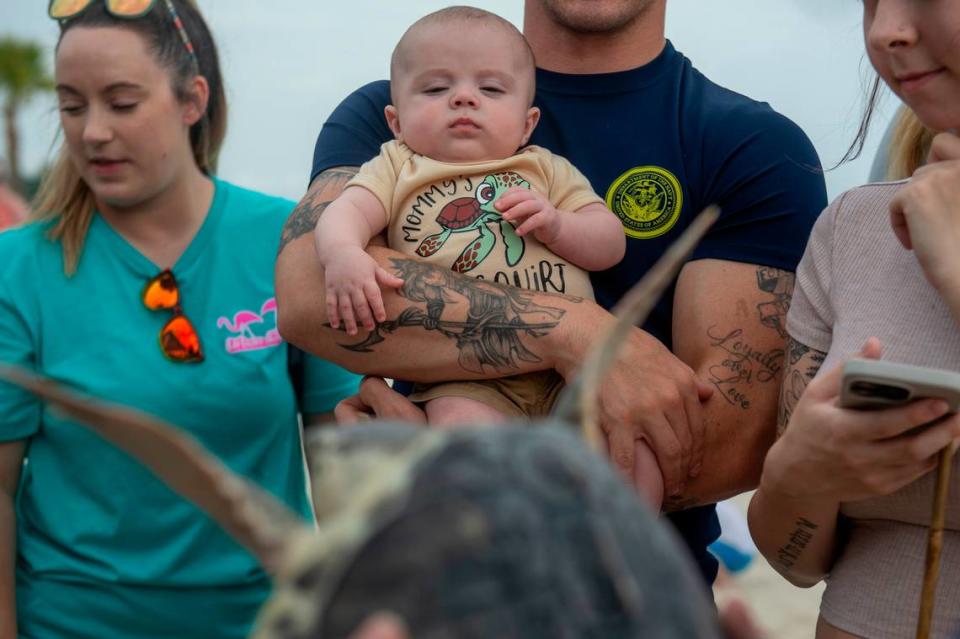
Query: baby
[458, 187]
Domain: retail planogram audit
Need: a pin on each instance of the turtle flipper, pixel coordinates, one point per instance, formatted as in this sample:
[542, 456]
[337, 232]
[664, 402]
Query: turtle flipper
[514, 244]
[255, 518]
[432, 243]
[475, 252]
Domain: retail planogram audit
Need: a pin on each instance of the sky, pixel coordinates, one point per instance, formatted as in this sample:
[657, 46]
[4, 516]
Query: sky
[288, 63]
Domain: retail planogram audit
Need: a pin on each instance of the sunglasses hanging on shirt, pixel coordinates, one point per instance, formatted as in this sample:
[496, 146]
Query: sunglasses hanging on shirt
[179, 340]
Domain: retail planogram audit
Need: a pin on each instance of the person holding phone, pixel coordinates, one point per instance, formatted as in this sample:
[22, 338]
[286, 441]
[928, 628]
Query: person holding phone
[845, 494]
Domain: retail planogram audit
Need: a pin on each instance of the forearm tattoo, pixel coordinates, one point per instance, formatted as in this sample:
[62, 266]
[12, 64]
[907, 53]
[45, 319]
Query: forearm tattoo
[803, 364]
[789, 553]
[324, 190]
[743, 364]
[486, 321]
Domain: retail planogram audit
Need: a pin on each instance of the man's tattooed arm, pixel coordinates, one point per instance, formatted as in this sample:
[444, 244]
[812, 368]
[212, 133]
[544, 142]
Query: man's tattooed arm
[745, 368]
[324, 190]
[729, 326]
[486, 321]
[803, 363]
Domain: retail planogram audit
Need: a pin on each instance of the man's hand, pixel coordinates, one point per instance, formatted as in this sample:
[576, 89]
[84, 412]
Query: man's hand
[650, 394]
[376, 400]
[647, 395]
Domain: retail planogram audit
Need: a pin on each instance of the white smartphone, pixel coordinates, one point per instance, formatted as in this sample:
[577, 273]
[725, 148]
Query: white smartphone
[873, 384]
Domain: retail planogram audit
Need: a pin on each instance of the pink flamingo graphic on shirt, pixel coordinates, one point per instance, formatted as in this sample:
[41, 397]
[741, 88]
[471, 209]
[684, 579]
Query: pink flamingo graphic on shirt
[242, 326]
[270, 306]
[241, 322]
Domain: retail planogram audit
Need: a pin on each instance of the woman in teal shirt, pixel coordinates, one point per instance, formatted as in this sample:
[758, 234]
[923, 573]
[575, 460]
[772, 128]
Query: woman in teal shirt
[148, 282]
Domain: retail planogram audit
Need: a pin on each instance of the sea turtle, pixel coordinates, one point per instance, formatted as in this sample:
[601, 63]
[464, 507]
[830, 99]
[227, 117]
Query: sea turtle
[507, 532]
[468, 214]
[514, 533]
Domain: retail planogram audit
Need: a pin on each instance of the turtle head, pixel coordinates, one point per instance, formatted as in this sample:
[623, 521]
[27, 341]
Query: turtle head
[493, 186]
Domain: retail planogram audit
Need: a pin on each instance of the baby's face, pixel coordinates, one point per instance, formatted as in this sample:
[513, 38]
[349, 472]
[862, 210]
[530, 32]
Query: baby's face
[462, 93]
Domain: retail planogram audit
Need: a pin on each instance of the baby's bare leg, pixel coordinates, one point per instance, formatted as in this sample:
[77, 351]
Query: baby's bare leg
[648, 481]
[456, 412]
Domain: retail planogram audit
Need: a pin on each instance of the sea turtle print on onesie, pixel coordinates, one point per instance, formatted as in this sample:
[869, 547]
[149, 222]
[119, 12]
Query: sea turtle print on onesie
[467, 214]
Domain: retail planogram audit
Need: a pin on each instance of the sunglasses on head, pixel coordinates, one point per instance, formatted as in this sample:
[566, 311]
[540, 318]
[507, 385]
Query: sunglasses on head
[179, 340]
[129, 9]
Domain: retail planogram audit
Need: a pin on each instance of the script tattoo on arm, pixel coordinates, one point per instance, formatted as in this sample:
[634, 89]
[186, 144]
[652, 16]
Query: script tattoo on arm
[789, 553]
[487, 333]
[743, 363]
[803, 363]
[324, 190]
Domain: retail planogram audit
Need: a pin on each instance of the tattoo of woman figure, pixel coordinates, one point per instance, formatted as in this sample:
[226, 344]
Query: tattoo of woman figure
[324, 190]
[802, 365]
[489, 335]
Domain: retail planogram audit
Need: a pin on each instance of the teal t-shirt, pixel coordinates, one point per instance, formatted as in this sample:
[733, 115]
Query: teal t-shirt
[104, 548]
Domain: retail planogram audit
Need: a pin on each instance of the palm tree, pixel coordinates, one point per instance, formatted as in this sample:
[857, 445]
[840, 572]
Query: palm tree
[22, 74]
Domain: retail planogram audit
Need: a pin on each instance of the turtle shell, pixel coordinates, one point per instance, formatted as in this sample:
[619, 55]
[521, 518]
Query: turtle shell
[509, 533]
[459, 213]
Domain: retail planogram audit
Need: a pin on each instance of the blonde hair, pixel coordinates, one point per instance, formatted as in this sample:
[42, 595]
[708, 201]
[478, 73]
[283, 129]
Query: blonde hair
[63, 196]
[909, 145]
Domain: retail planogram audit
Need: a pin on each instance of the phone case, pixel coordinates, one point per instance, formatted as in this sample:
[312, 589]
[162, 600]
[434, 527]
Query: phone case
[872, 384]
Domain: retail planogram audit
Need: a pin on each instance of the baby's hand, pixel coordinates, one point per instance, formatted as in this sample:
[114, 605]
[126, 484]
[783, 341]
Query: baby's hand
[353, 281]
[530, 211]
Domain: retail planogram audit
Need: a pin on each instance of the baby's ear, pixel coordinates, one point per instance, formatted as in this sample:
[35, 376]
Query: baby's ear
[393, 121]
[533, 116]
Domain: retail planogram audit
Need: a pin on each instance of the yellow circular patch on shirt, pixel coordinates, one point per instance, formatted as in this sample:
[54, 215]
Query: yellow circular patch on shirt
[647, 199]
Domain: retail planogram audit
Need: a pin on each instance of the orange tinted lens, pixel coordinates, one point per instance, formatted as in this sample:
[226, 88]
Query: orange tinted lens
[180, 342]
[60, 9]
[129, 8]
[161, 292]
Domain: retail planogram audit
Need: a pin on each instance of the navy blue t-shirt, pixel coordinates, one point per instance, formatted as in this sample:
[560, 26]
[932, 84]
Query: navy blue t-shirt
[659, 143]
